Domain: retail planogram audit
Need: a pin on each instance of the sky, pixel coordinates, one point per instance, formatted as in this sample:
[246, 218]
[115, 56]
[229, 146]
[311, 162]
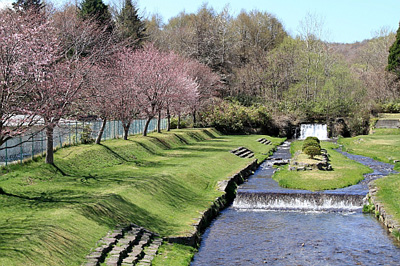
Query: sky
[345, 21]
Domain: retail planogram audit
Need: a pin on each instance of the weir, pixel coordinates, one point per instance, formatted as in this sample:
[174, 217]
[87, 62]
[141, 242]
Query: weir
[261, 192]
[314, 130]
[299, 201]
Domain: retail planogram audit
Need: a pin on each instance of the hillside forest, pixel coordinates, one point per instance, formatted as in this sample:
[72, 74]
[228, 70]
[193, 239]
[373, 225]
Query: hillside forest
[238, 73]
[295, 79]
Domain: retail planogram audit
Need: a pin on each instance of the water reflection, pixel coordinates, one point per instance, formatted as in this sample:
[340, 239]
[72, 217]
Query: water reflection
[293, 238]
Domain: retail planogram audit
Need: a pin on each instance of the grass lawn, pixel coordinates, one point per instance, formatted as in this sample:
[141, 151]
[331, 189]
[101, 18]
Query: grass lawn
[345, 171]
[384, 146]
[55, 215]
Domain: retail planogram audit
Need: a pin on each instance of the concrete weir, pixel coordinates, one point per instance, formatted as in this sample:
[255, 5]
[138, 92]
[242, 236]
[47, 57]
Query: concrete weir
[298, 200]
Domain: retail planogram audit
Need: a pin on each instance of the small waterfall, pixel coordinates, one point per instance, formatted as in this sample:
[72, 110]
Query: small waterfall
[298, 200]
[314, 130]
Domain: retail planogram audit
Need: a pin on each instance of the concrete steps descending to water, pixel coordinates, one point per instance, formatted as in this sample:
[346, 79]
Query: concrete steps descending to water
[131, 245]
[243, 152]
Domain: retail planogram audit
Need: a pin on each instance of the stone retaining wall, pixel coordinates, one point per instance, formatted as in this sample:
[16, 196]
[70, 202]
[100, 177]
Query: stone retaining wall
[229, 187]
[388, 123]
[380, 212]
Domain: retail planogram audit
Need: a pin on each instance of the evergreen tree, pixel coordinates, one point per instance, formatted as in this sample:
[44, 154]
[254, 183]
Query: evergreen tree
[394, 56]
[95, 9]
[24, 5]
[130, 25]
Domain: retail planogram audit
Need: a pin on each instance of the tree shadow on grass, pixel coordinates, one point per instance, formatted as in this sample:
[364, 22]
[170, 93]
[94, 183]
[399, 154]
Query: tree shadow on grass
[115, 154]
[181, 139]
[210, 134]
[145, 147]
[161, 142]
[113, 209]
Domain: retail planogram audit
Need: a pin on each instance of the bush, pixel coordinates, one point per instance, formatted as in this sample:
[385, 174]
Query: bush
[311, 142]
[174, 123]
[232, 117]
[391, 107]
[312, 139]
[86, 135]
[312, 151]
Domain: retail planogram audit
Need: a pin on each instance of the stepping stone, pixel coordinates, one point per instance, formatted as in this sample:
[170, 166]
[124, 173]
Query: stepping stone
[91, 263]
[94, 255]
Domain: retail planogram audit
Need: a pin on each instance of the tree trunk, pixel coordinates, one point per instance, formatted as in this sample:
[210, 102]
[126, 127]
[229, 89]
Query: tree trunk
[159, 122]
[49, 149]
[126, 130]
[168, 120]
[146, 126]
[101, 131]
[194, 118]
[178, 125]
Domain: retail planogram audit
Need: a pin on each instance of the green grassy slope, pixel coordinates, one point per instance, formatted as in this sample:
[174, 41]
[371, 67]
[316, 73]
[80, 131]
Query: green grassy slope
[54, 215]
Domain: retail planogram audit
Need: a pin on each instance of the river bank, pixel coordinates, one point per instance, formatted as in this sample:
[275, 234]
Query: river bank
[55, 215]
[383, 145]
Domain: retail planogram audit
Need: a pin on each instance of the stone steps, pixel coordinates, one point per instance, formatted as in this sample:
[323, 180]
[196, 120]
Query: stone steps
[150, 252]
[243, 152]
[264, 141]
[125, 246]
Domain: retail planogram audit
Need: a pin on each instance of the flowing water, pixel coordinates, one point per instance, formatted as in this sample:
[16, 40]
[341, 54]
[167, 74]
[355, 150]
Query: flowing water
[314, 130]
[269, 225]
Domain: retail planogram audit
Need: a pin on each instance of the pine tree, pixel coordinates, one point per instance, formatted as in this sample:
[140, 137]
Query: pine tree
[130, 25]
[394, 56]
[24, 5]
[96, 9]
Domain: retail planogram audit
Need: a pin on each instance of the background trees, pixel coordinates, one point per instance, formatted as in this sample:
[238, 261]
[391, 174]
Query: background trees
[394, 56]
[130, 25]
[84, 60]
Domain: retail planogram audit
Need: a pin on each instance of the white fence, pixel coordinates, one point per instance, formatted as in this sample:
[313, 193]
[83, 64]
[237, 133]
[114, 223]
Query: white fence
[69, 133]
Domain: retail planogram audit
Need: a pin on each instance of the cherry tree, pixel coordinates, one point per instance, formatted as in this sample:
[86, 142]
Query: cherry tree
[124, 95]
[82, 43]
[27, 50]
[154, 76]
[207, 82]
[100, 92]
[184, 92]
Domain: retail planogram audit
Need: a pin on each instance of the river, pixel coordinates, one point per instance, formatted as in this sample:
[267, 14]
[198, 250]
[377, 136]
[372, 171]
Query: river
[250, 233]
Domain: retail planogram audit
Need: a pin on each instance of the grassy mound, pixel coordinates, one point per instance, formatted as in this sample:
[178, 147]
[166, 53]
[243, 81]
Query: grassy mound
[345, 171]
[54, 215]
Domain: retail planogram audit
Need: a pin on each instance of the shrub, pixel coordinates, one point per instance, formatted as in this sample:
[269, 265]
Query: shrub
[312, 151]
[311, 142]
[232, 117]
[312, 139]
[86, 135]
[174, 123]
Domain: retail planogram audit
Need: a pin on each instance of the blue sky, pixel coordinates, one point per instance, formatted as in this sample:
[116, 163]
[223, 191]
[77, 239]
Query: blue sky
[345, 20]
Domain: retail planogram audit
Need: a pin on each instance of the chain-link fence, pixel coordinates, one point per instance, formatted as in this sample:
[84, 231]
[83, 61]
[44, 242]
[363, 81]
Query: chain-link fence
[67, 133]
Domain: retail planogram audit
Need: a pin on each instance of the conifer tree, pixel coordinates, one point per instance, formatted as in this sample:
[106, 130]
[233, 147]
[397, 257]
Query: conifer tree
[24, 5]
[394, 56]
[95, 9]
[130, 25]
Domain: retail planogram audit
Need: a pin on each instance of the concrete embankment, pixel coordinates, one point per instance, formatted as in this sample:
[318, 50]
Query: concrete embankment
[228, 186]
[380, 212]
